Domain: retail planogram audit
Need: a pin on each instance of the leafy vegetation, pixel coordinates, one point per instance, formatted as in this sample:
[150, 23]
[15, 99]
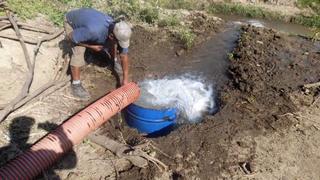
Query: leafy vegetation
[230, 56]
[313, 4]
[30, 9]
[242, 10]
[316, 35]
[149, 15]
[179, 4]
[54, 9]
[257, 12]
[186, 36]
[170, 21]
[313, 21]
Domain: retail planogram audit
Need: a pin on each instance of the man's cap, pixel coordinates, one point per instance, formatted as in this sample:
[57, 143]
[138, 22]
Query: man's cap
[123, 32]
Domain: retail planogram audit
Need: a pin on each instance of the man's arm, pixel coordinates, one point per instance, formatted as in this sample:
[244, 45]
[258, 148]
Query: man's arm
[96, 48]
[125, 67]
[93, 47]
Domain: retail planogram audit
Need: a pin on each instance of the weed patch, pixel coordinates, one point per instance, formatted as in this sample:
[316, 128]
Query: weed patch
[180, 4]
[257, 12]
[54, 9]
[170, 21]
[149, 15]
[186, 36]
[313, 4]
[238, 9]
[313, 21]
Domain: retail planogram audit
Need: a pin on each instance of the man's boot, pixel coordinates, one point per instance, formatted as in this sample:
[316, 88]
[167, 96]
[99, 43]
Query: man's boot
[79, 91]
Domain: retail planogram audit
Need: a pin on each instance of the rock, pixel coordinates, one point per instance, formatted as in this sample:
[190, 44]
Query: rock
[153, 154]
[180, 52]
[242, 144]
[138, 161]
[259, 42]
[122, 165]
[179, 156]
[165, 176]
[51, 44]
[72, 175]
[246, 167]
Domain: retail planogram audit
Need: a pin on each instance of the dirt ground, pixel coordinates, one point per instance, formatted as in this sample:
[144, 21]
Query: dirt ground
[267, 127]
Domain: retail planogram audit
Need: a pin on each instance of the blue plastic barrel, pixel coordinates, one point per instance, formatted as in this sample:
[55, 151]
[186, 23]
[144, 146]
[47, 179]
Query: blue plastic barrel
[150, 121]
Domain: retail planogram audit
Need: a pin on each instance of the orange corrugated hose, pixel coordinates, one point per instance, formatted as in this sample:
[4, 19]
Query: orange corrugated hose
[51, 147]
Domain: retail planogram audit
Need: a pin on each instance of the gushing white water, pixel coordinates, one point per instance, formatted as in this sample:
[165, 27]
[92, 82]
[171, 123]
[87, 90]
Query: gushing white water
[189, 95]
[256, 23]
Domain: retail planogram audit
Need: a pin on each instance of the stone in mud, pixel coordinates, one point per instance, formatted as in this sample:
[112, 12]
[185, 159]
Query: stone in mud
[179, 52]
[122, 165]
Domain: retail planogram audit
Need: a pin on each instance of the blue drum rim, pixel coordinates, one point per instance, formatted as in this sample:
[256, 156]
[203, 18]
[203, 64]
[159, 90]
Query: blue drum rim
[168, 118]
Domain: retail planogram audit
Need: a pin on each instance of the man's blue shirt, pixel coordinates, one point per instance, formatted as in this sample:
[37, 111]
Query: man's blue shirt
[89, 25]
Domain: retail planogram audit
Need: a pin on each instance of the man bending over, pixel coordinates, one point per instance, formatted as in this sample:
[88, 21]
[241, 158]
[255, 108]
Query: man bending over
[89, 28]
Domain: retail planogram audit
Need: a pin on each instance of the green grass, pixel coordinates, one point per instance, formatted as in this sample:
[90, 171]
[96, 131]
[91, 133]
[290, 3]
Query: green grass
[122, 7]
[186, 36]
[53, 9]
[31, 8]
[169, 21]
[313, 4]
[257, 12]
[313, 21]
[230, 56]
[179, 4]
[242, 10]
[149, 15]
[134, 10]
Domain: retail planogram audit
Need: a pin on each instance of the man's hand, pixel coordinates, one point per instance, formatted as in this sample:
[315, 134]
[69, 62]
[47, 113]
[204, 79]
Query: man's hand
[125, 68]
[124, 82]
[96, 48]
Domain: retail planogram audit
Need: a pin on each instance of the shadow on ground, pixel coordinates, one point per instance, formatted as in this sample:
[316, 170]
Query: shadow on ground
[19, 135]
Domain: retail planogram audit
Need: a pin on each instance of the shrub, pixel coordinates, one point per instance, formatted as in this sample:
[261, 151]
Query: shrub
[172, 20]
[180, 4]
[149, 15]
[313, 4]
[186, 36]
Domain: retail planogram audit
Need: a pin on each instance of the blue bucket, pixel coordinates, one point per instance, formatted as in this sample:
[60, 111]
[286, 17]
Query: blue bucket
[150, 121]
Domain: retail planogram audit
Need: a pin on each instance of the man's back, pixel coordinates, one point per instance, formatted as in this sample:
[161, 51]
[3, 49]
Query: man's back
[89, 25]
